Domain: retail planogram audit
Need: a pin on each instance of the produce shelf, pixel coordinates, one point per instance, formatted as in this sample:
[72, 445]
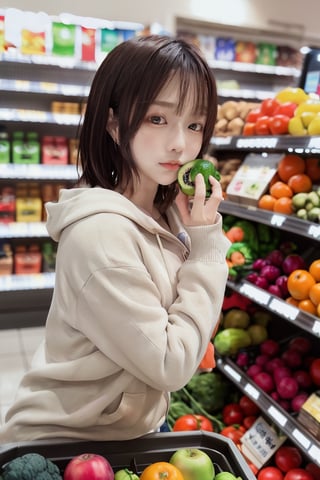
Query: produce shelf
[287, 423]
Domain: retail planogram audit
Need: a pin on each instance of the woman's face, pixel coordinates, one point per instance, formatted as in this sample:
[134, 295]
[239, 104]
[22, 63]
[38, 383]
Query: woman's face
[167, 139]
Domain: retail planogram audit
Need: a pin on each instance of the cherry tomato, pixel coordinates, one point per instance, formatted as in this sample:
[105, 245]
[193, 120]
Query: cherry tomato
[232, 413]
[278, 124]
[286, 458]
[269, 106]
[249, 129]
[287, 108]
[298, 474]
[234, 432]
[248, 406]
[192, 422]
[262, 125]
[270, 473]
[253, 115]
[161, 470]
[249, 421]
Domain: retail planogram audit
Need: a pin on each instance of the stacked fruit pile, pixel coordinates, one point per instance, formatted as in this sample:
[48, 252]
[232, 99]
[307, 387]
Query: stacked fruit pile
[295, 176]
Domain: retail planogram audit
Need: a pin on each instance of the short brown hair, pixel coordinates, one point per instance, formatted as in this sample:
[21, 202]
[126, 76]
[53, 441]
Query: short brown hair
[128, 81]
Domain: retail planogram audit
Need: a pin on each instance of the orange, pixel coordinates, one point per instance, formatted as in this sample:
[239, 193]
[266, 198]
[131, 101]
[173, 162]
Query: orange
[266, 202]
[299, 284]
[313, 168]
[314, 293]
[281, 189]
[283, 205]
[290, 165]
[300, 183]
[292, 301]
[314, 269]
[307, 306]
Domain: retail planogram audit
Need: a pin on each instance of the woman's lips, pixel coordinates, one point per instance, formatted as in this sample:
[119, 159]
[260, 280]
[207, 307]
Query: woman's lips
[171, 166]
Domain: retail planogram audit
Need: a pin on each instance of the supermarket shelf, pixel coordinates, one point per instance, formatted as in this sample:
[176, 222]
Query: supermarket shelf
[297, 317]
[36, 281]
[38, 116]
[284, 143]
[289, 426]
[23, 230]
[43, 88]
[15, 171]
[255, 68]
[289, 223]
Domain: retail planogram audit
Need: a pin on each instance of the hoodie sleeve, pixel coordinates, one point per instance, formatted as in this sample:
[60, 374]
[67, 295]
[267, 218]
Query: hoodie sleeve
[119, 309]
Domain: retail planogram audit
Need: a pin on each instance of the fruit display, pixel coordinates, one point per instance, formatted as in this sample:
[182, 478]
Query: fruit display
[231, 117]
[294, 189]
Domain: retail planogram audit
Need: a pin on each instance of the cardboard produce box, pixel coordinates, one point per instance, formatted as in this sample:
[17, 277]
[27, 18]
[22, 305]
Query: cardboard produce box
[138, 453]
[253, 177]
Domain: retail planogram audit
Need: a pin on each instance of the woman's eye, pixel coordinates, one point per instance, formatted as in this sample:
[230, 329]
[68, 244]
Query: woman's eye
[197, 127]
[157, 120]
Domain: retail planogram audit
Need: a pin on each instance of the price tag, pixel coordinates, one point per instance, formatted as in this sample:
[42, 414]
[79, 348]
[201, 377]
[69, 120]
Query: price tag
[314, 231]
[250, 291]
[314, 142]
[23, 85]
[277, 220]
[260, 442]
[286, 310]
[314, 453]
[302, 439]
[252, 391]
[221, 141]
[316, 327]
[260, 143]
[274, 413]
[235, 375]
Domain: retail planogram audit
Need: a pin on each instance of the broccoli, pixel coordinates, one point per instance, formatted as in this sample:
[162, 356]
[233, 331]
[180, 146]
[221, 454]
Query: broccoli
[210, 389]
[31, 466]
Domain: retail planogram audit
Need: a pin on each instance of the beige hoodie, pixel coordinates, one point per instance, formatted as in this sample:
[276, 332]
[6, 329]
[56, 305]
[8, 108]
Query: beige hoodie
[131, 316]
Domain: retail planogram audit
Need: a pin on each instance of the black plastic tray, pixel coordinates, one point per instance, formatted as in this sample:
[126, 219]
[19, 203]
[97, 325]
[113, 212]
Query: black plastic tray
[138, 453]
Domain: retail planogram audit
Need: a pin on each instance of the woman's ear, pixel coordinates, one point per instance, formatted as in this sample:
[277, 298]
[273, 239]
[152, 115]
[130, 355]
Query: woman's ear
[113, 126]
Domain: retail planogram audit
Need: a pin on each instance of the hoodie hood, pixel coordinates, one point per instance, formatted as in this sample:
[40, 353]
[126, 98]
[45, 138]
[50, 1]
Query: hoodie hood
[78, 203]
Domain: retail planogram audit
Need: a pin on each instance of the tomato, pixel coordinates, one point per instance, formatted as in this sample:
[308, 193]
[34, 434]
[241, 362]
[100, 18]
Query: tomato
[298, 474]
[233, 432]
[232, 413]
[314, 470]
[314, 371]
[160, 471]
[248, 406]
[270, 473]
[249, 421]
[278, 124]
[192, 422]
[262, 125]
[249, 129]
[287, 108]
[253, 115]
[269, 106]
[287, 458]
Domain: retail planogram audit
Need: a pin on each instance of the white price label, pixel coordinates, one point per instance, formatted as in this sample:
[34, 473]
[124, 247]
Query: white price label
[314, 142]
[260, 143]
[286, 310]
[316, 327]
[221, 141]
[277, 220]
[250, 291]
[260, 442]
[252, 391]
[235, 375]
[274, 413]
[314, 231]
[302, 439]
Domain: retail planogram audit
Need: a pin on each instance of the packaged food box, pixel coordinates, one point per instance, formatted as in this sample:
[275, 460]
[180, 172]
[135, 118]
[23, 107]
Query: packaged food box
[137, 454]
[252, 178]
[309, 414]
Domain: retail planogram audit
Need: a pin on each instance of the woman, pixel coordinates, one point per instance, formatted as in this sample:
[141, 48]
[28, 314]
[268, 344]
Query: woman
[140, 275]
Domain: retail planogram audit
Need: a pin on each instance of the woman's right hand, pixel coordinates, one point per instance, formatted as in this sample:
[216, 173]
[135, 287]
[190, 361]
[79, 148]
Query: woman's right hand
[203, 210]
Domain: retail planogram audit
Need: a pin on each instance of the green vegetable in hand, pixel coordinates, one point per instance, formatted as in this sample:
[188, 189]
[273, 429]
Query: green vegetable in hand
[31, 466]
[188, 172]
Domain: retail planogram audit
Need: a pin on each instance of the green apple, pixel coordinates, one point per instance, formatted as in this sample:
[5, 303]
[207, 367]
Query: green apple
[194, 464]
[125, 474]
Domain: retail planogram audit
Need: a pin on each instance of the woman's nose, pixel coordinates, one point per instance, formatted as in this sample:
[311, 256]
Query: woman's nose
[177, 140]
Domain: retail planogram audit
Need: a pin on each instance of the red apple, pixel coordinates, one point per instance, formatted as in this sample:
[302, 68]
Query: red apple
[259, 263]
[282, 283]
[275, 290]
[193, 463]
[88, 466]
[293, 262]
[262, 282]
[270, 272]
[276, 258]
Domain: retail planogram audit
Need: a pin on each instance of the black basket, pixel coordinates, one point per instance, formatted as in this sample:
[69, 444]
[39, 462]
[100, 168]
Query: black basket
[138, 453]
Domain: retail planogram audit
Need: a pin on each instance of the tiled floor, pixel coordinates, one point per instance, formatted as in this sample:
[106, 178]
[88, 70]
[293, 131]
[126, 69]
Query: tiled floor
[16, 350]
